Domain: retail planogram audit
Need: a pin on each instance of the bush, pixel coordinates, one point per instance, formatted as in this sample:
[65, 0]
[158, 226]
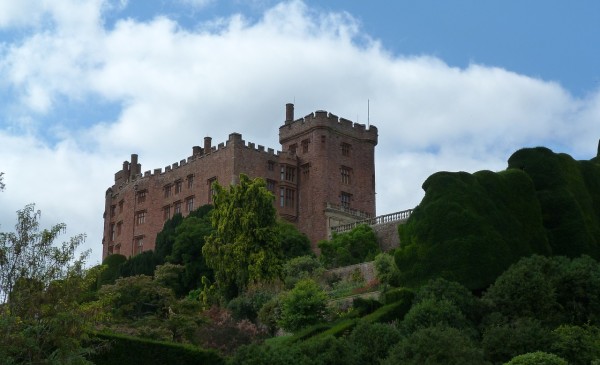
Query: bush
[358, 245]
[537, 358]
[398, 294]
[371, 342]
[303, 306]
[388, 313]
[365, 306]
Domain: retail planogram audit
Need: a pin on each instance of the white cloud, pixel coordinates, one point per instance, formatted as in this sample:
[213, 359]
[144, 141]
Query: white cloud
[177, 85]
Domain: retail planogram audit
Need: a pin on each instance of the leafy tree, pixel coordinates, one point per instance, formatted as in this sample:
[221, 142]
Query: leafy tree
[578, 345]
[371, 342]
[112, 271]
[385, 269]
[301, 267]
[432, 312]
[165, 239]
[293, 242]
[436, 345]
[41, 285]
[504, 340]
[187, 248]
[137, 296]
[143, 263]
[358, 245]
[537, 358]
[244, 246]
[303, 306]
[461, 297]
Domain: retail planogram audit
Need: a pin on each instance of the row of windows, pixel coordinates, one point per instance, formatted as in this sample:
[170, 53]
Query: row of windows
[176, 208]
[138, 246]
[346, 148]
[177, 186]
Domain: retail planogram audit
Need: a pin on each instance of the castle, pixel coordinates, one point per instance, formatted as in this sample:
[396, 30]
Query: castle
[323, 177]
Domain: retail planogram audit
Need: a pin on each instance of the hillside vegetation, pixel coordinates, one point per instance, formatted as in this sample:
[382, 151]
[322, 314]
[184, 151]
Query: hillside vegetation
[471, 227]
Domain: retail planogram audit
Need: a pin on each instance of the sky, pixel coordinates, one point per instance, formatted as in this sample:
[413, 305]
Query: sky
[450, 85]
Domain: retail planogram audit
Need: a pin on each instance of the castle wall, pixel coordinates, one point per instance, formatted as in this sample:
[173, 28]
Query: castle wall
[305, 179]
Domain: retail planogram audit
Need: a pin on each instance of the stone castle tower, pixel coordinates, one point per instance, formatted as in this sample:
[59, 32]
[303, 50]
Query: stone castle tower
[323, 177]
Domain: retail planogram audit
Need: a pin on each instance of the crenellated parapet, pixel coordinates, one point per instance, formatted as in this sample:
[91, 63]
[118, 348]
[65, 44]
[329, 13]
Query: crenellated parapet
[324, 120]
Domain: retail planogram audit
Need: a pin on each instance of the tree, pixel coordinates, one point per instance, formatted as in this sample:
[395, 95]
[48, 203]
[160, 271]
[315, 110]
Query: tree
[537, 358]
[41, 287]
[303, 306]
[358, 245]
[436, 345]
[244, 245]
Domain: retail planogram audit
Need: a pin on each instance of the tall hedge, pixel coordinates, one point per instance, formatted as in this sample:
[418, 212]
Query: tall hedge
[123, 349]
[469, 228]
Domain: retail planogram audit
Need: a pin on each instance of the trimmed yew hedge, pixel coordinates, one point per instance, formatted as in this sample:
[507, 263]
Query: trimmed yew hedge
[134, 350]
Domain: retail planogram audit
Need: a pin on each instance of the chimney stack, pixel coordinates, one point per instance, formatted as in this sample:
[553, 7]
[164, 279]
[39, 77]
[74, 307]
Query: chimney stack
[207, 145]
[289, 112]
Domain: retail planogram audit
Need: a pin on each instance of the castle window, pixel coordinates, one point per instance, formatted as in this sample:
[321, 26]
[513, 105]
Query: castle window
[140, 217]
[293, 148]
[345, 200]
[177, 208]
[166, 212]
[271, 165]
[323, 138]
[178, 186]
[190, 181]
[141, 196]
[346, 173]
[286, 197]
[110, 249]
[305, 171]
[271, 185]
[112, 232]
[119, 228]
[305, 146]
[167, 190]
[211, 188]
[288, 173]
[189, 203]
[113, 209]
[139, 244]
[117, 248]
[121, 203]
[346, 149]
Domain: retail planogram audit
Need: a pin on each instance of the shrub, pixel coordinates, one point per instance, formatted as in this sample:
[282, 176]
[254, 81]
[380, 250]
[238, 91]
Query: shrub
[398, 294]
[304, 305]
[356, 246]
[537, 358]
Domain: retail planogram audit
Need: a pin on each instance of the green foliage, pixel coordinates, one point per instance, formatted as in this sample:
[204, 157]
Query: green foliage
[371, 342]
[569, 195]
[458, 295]
[389, 312]
[293, 242]
[143, 263]
[301, 267]
[112, 271]
[470, 227]
[304, 305]
[504, 340]
[435, 312]
[244, 246]
[537, 358]
[165, 239]
[356, 246]
[137, 296]
[131, 350]
[365, 306]
[385, 269]
[247, 305]
[398, 294]
[578, 345]
[436, 345]
[41, 286]
[187, 248]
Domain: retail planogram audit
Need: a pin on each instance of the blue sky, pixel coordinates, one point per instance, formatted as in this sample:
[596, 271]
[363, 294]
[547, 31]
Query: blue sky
[452, 86]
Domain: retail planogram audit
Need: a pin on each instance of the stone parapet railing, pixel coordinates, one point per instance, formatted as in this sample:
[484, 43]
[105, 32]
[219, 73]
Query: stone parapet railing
[387, 218]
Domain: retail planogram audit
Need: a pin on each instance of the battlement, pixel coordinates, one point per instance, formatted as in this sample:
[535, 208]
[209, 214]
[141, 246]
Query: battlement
[127, 174]
[326, 120]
